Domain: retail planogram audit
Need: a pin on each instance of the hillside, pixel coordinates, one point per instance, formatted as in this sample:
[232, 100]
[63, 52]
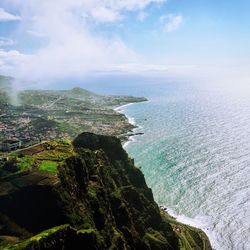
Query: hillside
[32, 116]
[95, 197]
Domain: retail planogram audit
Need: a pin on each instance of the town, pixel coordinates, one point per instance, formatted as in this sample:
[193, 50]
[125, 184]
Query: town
[43, 115]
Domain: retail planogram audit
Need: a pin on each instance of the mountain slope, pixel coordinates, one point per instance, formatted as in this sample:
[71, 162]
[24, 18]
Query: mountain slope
[98, 199]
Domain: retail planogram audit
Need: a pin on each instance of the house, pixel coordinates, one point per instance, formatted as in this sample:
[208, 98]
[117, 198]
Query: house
[9, 145]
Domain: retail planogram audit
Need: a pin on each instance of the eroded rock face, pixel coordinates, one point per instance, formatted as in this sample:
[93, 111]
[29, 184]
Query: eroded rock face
[109, 144]
[108, 193]
[104, 200]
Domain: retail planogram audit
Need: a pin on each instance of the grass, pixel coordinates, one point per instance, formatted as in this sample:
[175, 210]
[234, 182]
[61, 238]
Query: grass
[59, 151]
[33, 241]
[25, 162]
[49, 166]
[27, 243]
[55, 152]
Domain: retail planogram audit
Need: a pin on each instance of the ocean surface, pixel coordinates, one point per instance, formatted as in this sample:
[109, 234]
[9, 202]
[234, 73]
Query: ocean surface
[195, 154]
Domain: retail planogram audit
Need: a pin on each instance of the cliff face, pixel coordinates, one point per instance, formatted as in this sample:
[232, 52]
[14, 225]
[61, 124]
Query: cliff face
[99, 201]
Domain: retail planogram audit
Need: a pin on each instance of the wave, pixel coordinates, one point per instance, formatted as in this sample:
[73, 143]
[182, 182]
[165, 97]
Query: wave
[122, 110]
[199, 221]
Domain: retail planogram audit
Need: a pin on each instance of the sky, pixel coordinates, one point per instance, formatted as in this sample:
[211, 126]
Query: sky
[51, 39]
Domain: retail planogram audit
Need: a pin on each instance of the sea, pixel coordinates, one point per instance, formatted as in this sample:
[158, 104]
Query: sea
[195, 152]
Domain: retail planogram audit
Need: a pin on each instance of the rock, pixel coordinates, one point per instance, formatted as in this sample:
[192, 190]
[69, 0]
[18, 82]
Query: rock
[109, 144]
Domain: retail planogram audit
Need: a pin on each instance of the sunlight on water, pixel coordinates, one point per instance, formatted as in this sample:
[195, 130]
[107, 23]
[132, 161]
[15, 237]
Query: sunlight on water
[195, 154]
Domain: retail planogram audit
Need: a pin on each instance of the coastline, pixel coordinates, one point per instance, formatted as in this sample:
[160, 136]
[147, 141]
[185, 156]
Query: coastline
[167, 230]
[182, 219]
[195, 223]
[131, 120]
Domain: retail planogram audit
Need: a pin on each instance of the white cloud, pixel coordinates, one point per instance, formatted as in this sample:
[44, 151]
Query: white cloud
[171, 22]
[73, 46]
[103, 14]
[6, 16]
[132, 4]
[6, 42]
[10, 60]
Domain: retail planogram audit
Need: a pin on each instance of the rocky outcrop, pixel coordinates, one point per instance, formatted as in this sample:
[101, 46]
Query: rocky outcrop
[101, 201]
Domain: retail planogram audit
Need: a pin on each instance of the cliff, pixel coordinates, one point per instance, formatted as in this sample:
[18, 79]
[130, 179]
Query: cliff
[97, 199]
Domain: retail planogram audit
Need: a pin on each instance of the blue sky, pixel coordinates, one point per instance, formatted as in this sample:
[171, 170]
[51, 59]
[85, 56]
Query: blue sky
[52, 39]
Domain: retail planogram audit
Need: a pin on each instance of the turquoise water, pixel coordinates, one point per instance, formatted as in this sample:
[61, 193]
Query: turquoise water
[195, 154]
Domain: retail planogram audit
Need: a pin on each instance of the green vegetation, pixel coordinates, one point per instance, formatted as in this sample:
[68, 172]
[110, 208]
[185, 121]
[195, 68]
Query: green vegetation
[80, 236]
[45, 157]
[49, 166]
[55, 151]
[16, 164]
[24, 163]
[155, 239]
[98, 196]
[35, 239]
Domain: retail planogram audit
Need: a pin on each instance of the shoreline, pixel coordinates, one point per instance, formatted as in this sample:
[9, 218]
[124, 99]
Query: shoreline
[131, 120]
[178, 218]
[193, 222]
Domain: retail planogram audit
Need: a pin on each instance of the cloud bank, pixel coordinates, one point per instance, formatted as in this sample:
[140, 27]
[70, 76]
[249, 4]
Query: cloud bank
[69, 31]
